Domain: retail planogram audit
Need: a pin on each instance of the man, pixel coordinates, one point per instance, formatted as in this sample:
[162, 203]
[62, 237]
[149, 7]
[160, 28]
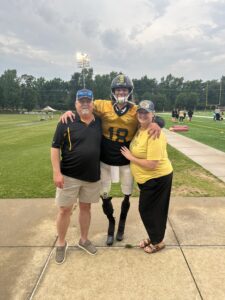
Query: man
[119, 125]
[217, 114]
[78, 172]
[190, 114]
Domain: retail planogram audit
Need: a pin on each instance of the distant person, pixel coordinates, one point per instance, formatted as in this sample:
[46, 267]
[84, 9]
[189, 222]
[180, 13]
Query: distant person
[181, 116]
[174, 115]
[153, 173]
[77, 175]
[190, 114]
[217, 114]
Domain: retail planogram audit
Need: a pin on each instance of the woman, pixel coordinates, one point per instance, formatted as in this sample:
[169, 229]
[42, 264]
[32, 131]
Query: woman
[181, 116]
[153, 173]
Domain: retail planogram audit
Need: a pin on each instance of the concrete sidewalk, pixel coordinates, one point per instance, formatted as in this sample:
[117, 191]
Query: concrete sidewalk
[209, 158]
[191, 266]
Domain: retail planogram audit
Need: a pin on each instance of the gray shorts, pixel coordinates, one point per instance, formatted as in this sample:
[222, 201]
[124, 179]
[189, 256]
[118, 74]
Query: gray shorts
[87, 192]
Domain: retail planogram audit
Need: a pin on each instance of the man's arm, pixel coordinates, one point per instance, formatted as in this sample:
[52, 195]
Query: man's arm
[160, 121]
[57, 175]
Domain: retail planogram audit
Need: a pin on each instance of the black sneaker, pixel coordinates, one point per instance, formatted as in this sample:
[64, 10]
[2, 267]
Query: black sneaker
[110, 234]
[110, 240]
[119, 236]
[60, 254]
[120, 232]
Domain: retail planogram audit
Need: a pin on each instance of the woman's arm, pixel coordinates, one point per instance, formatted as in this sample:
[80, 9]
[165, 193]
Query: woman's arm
[144, 163]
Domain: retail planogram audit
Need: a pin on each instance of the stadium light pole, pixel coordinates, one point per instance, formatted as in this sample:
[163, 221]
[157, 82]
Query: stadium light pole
[206, 95]
[220, 91]
[83, 62]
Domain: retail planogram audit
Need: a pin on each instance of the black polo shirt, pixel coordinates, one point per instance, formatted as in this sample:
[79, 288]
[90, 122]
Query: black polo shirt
[80, 148]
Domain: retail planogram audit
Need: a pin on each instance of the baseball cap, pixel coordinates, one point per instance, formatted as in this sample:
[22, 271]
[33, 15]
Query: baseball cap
[146, 105]
[84, 93]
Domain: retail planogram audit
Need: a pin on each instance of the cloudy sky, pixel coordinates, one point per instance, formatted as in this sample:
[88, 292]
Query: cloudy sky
[153, 37]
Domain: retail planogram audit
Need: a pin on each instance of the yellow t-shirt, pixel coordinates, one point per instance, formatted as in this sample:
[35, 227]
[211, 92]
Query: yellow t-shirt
[144, 147]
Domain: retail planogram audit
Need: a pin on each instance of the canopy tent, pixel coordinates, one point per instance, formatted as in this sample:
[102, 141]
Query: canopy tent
[48, 109]
[46, 113]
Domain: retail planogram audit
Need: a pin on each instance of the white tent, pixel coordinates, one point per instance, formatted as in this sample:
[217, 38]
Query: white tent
[48, 108]
[46, 113]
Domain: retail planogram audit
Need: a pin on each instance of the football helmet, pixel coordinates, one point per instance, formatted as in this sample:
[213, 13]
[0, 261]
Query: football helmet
[122, 81]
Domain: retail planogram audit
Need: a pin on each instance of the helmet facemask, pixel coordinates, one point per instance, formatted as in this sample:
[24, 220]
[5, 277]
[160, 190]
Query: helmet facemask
[121, 99]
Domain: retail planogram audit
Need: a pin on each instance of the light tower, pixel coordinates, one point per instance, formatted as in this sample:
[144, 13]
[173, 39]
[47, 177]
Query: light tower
[83, 62]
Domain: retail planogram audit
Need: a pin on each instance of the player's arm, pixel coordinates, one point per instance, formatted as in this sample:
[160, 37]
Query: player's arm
[99, 107]
[68, 115]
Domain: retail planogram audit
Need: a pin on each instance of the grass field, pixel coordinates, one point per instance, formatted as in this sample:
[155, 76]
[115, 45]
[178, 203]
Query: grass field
[26, 169]
[202, 129]
[204, 113]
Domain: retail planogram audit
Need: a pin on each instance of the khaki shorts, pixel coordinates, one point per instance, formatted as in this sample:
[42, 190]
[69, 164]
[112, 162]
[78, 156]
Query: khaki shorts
[87, 192]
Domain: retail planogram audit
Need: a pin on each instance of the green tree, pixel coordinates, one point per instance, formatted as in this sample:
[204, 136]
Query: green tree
[171, 87]
[1, 95]
[102, 85]
[144, 85]
[40, 86]
[213, 92]
[187, 100]
[57, 93]
[160, 102]
[222, 91]
[28, 91]
[10, 90]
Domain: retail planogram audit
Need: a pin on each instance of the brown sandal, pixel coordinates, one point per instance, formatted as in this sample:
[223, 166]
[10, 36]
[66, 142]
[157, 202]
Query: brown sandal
[145, 242]
[154, 248]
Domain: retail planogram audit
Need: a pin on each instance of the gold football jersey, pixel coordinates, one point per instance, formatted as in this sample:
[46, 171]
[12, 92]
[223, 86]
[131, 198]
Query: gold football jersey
[118, 128]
